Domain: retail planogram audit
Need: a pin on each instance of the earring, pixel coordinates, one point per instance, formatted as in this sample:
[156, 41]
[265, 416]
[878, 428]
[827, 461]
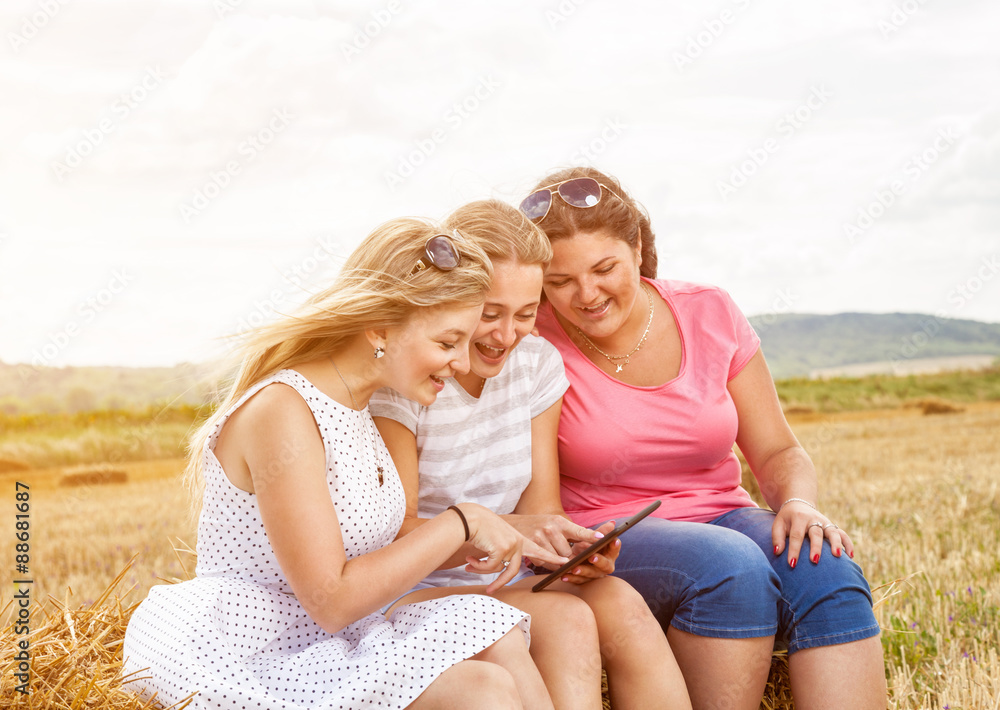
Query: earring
[379, 352]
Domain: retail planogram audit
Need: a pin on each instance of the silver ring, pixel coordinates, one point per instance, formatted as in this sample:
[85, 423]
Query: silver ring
[505, 563]
[814, 525]
[831, 525]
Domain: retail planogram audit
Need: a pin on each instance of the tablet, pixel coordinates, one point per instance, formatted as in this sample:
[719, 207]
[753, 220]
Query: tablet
[596, 547]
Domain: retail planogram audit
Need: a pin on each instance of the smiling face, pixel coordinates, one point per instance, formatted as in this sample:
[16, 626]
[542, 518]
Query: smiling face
[508, 316]
[433, 344]
[593, 282]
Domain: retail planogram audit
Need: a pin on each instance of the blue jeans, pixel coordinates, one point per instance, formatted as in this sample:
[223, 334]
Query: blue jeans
[722, 579]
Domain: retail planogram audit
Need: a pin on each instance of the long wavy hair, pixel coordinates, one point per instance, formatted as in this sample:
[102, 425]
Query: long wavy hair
[373, 290]
[618, 214]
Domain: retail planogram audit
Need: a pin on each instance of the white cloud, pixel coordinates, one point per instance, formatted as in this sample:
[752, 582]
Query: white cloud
[560, 71]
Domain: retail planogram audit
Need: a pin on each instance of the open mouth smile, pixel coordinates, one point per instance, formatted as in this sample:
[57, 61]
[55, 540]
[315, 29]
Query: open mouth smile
[491, 354]
[599, 310]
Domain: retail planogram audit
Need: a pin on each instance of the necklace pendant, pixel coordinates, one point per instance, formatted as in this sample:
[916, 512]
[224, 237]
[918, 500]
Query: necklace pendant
[380, 476]
[618, 368]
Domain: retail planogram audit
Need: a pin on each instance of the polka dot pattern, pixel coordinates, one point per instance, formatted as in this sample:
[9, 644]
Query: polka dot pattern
[236, 635]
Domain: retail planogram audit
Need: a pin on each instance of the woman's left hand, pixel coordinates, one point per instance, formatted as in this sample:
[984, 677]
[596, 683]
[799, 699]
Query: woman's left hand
[598, 565]
[797, 521]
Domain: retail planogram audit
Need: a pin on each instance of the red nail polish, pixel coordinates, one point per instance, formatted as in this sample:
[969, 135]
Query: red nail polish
[851, 554]
[776, 549]
[792, 563]
[836, 553]
[815, 559]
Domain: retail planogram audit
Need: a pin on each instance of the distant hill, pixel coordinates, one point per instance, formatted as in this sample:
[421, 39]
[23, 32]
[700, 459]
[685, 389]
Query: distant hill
[29, 389]
[798, 345]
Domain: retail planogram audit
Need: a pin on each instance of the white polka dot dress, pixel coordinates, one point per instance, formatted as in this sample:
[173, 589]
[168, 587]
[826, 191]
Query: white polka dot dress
[237, 637]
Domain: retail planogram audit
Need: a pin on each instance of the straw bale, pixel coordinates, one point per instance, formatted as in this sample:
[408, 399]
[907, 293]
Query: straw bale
[778, 691]
[940, 406]
[933, 405]
[94, 476]
[76, 661]
[12, 466]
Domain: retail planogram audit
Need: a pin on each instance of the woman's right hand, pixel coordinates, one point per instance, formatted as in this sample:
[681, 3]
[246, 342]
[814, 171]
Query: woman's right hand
[501, 543]
[554, 533]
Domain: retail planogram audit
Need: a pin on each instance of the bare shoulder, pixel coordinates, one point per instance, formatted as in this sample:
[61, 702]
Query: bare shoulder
[263, 428]
[275, 409]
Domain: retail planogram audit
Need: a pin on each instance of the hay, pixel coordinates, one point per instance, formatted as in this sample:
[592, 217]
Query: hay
[11, 466]
[93, 476]
[798, 409]
[76, 661]
[933, 405]
[778, 691]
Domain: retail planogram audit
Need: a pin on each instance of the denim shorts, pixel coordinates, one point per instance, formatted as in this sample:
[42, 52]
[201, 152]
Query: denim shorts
[722, 579]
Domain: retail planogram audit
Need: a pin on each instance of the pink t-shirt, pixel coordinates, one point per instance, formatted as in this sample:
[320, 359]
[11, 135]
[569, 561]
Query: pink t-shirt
[621, 447]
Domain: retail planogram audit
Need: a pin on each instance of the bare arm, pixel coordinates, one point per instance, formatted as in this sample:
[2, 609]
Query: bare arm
[782, 467]
[539, 514]
[402, 445]
[284, 453]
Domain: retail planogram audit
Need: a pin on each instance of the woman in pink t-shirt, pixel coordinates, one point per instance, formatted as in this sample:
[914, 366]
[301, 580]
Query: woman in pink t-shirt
[665, 377]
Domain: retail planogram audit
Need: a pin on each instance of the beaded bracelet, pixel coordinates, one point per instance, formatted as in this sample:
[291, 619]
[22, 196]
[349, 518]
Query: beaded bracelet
[796, 500]
[465, 523]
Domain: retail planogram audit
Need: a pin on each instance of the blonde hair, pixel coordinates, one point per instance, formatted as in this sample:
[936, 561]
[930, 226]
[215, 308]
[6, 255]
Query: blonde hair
[373, 290]
[502, 231]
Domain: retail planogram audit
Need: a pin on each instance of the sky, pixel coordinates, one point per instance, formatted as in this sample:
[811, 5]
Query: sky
[173, 172]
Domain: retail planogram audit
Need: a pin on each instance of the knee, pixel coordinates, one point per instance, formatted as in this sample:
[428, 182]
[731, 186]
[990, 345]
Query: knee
[480, 685]
[740, 585]
[615, 600]
[743, 565]
[568, 619]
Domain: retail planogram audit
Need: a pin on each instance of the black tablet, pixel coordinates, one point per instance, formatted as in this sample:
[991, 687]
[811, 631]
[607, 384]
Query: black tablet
[596, 547]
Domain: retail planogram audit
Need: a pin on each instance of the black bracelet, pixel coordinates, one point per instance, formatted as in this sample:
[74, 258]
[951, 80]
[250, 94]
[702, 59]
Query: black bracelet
[465, 523]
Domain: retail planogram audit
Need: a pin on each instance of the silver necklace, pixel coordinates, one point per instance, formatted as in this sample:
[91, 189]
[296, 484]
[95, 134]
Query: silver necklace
[626, 356]
[378, 455]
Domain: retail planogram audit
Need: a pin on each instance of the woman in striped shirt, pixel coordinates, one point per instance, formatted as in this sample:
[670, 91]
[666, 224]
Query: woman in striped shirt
[490, 437]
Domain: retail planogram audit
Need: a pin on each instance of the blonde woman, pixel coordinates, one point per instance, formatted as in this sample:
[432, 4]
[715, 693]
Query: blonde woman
[490, 438]
[301, 502]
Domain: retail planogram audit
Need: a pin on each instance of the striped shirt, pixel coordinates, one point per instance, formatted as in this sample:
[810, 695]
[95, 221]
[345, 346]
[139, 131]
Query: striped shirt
[478, 450]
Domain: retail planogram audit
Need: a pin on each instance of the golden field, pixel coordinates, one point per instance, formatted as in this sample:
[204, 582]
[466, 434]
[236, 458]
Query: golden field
[917, 492]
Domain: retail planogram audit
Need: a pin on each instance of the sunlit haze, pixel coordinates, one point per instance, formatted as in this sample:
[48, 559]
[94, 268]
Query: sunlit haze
[175, 171]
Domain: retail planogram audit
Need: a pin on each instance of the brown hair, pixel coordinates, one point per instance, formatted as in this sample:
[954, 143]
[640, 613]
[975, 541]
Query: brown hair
[624, 218]
[503, 232]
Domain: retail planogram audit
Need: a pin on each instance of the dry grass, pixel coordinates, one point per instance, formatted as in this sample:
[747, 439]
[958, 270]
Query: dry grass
[75, 657]
[920, 496]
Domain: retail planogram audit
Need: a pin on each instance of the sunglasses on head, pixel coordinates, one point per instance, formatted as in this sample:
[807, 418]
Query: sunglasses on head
[576, 192]
[439, 251]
